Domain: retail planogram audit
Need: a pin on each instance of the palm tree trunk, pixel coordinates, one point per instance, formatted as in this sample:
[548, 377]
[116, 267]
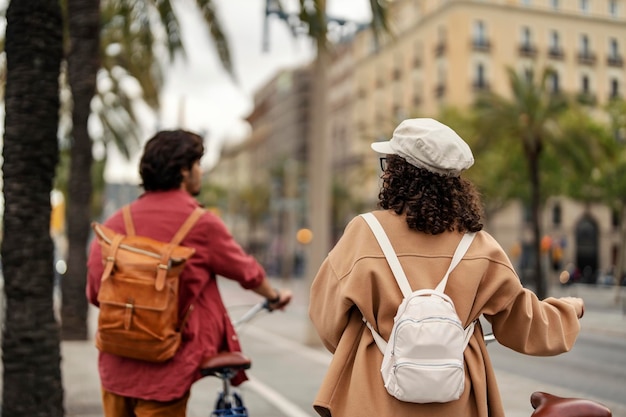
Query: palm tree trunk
[319, 173]
[540, 281]
[83, 64]
[619, 262]
[32, 384]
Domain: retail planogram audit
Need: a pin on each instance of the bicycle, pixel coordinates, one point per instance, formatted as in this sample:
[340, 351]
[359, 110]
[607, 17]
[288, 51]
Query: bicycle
[230, 404]
[549, 405]
[226, 365]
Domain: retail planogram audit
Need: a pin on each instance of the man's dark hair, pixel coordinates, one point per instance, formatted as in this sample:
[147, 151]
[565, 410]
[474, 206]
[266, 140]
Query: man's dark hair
[432, 203]
[165, 155]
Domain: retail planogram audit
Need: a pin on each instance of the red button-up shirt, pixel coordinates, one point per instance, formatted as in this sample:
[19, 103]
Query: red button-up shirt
[159, 215]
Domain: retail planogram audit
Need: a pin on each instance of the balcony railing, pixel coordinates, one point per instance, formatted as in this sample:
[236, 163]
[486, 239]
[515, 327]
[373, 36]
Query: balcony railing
[586, 58]
[480, 86]
[586, 97]
[615, 61]
[556, 53]
[481, 45]
[527, 50]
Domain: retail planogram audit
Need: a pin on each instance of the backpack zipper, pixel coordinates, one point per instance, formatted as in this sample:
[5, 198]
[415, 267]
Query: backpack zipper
[132, 249]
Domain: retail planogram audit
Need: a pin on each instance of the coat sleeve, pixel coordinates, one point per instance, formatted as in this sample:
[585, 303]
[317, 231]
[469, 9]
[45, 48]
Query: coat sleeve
[330, 304]
[328, 309]
[540, 328]
[228, 259]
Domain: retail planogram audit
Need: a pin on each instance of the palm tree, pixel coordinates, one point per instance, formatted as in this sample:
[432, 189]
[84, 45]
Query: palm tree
[125, 51]
[313, 15]
[529, 118]
[32, 384]
[550, 132]
[82, 66]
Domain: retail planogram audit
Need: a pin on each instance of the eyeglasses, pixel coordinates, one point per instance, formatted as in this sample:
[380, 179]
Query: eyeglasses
[383, 163]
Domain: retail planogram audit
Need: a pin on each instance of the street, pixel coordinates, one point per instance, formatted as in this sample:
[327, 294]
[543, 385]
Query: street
[286, 373]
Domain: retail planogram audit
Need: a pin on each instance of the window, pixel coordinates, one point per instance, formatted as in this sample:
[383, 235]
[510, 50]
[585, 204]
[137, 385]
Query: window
[555, 50]
[554, 4]
[584, 6]
[479, 32]
[584, 45]
[528, 75]
[613, 8]
[585, 84]
[440, 48]
[614, 88]
[526, 36]
[479, 80]
[554, 40]
[613, 48]
[554, 83]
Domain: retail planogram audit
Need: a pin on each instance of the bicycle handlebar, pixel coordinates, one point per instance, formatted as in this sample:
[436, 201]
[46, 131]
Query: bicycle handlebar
[263, 305]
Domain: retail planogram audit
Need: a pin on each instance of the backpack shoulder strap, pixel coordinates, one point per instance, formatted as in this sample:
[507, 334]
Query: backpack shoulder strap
[464, 244]
[187, 225]
[390, 254]
[128, 221]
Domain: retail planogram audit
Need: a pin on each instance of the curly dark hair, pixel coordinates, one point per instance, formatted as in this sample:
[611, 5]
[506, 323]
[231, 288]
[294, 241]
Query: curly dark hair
[433, 203]
[165, 155]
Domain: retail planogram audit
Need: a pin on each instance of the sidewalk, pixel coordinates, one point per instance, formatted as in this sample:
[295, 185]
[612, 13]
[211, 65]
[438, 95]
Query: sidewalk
[82, 389]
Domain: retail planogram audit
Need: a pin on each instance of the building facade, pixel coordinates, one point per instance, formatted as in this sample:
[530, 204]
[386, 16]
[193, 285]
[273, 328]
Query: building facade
[442, 53]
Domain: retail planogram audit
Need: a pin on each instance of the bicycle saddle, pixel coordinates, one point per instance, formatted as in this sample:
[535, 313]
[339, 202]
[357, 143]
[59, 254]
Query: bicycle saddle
[548, 405]
[223, 362]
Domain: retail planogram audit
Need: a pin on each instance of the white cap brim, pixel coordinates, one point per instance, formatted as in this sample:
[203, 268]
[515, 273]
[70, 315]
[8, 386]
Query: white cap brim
[383, 147]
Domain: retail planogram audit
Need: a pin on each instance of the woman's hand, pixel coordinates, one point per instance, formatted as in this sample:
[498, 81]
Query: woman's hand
[577, 303]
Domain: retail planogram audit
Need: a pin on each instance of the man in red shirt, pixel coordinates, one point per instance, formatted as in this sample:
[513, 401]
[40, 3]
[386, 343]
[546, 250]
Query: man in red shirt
[171, 175]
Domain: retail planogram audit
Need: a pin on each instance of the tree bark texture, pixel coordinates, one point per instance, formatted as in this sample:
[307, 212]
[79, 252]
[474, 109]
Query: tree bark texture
[32, 384]
[83, 64]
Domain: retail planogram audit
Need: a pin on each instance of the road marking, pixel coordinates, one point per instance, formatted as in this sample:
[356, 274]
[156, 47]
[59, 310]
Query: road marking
[288, 408]
[315, 355]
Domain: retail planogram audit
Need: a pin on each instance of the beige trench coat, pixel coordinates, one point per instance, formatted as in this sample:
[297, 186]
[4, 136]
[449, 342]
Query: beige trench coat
[355, 280]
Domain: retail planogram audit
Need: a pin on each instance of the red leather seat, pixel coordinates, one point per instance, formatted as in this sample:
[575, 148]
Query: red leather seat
[548, 405]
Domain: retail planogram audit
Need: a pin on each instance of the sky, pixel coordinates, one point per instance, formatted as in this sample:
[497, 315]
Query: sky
[200, 96]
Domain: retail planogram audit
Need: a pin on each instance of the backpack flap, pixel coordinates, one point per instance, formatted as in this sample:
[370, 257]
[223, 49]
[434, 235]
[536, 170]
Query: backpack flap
[141, 274]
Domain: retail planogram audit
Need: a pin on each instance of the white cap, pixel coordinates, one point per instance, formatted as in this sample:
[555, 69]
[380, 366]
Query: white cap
[429, 144]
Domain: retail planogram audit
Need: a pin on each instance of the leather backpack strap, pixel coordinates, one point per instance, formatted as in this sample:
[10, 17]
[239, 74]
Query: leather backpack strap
[128, 221]
[187, 225]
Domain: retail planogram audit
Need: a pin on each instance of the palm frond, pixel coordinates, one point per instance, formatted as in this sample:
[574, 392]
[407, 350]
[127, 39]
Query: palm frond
[218, 35]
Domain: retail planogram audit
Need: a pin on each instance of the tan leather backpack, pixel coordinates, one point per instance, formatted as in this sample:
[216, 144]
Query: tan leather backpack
[138, 294]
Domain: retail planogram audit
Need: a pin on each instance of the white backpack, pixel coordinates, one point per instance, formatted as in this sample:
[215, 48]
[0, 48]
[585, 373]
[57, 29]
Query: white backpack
[423, 361]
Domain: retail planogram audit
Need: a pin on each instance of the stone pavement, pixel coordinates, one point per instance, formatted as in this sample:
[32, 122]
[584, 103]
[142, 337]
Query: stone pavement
[82, 391]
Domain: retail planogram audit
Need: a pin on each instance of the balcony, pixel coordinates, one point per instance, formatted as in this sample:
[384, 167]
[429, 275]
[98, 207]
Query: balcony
[586, 58]
[615, 61]
[480, 86]
[440, 90]
[440, 49]
[556, 53]
[527, 50]
[481, 45]
[587, 98]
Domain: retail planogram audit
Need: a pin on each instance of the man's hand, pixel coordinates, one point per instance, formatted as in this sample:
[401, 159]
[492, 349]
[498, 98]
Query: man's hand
[279, 302]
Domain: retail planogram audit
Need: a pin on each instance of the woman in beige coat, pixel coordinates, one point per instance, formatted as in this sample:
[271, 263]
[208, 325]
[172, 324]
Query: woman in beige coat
[426, 209]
